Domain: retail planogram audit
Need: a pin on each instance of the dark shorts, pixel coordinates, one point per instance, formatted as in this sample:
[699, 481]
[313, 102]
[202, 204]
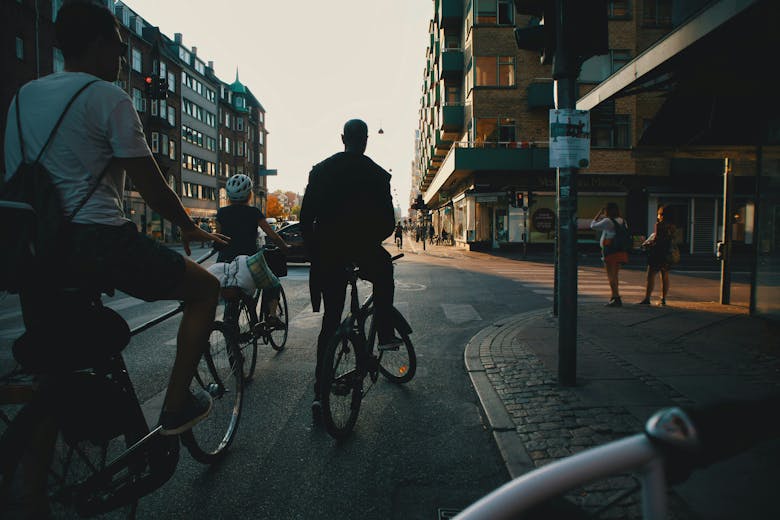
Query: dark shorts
[119, 257]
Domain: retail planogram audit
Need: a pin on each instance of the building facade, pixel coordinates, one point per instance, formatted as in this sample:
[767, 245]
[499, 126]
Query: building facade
[484, 119]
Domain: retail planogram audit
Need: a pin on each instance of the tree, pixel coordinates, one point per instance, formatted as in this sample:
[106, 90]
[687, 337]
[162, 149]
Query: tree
[273, 206]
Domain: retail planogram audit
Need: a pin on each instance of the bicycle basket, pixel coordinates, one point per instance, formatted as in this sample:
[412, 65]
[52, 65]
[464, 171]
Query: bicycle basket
[277, 261]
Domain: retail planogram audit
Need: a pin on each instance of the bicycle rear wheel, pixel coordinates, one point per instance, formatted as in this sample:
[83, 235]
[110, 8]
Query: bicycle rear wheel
[278, 336]
[247, 339]
[219, 374]
[398, 366]
[341, 386]
[56, 491]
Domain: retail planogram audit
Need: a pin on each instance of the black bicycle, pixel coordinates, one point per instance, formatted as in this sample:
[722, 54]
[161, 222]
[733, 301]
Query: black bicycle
[82, 403]
[247, 319]
[350, 357]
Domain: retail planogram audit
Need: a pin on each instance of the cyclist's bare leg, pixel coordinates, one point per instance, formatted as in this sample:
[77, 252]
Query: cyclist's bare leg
[199, 291]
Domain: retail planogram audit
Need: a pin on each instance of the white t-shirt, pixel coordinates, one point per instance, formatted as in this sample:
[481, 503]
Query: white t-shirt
[607, 228]
[101, 124]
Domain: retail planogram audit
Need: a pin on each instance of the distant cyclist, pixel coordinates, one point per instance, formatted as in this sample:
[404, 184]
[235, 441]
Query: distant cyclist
[240, 222]
[348, 187]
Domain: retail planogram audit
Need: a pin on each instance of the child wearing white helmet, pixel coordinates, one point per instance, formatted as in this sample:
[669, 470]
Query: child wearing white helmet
[240, 221]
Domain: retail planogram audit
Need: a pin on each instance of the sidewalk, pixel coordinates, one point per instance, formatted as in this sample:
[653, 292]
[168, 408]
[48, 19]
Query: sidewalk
[631, 362]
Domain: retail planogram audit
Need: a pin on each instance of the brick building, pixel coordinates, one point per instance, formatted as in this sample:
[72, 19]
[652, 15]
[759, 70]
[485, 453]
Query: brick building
[242, 141]
[484, 122]
[183, 130]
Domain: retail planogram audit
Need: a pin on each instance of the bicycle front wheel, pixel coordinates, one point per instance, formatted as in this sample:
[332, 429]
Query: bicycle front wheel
[220, 374]
[341, 388]
[247, 339]
[278, 336]
[398, 366]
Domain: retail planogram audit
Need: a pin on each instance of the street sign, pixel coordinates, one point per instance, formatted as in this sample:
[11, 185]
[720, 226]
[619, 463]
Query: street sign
[569, 138]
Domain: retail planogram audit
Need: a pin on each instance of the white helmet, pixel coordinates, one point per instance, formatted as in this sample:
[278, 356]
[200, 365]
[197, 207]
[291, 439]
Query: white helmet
[239, 187]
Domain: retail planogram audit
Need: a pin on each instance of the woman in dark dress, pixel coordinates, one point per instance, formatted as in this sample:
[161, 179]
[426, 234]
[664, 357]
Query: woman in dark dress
[659, 244]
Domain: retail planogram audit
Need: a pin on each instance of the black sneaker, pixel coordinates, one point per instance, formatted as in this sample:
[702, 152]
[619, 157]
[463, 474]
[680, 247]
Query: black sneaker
[663, 302]
[393, 343]
[646, 301]
[274, 323]
[316, 411]
[197, 408]
[614, 302]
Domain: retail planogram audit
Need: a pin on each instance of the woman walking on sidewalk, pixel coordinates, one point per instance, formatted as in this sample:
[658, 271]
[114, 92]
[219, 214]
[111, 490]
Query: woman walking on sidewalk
[659, 244]
[607, 221]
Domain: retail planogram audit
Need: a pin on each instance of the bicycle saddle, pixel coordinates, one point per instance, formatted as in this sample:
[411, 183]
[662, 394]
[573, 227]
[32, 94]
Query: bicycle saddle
[74, 332]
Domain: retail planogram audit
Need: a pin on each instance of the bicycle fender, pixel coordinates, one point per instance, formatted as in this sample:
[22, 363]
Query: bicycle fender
[400, 322]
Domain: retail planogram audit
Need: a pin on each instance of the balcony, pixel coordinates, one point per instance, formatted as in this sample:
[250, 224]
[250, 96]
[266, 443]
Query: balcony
[452, 119]
[452, 63]
[450, 13]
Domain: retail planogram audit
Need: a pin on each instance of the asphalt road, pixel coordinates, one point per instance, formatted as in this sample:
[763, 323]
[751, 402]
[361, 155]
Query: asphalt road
[418, 450]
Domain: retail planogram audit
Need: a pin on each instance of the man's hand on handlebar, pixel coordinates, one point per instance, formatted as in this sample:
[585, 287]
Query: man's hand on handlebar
[195, 234]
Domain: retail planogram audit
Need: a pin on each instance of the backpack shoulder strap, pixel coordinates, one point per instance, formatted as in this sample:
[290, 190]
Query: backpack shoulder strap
[56, 125]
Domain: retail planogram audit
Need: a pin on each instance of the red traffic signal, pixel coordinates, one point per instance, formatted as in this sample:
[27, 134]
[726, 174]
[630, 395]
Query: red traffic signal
[148, 80]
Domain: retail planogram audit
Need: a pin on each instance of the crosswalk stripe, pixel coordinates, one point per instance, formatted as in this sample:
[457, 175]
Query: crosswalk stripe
[460, 312]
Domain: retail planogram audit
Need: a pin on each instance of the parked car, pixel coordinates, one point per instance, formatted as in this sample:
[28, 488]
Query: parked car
[294, 238]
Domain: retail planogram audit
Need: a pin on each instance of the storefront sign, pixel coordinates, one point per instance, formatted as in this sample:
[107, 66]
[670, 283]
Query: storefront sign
[543, 220]
[569, 138]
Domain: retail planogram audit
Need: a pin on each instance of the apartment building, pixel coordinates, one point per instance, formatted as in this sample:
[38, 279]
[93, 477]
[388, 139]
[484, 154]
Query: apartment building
[484, 122]
[148, 57]
[242, 141]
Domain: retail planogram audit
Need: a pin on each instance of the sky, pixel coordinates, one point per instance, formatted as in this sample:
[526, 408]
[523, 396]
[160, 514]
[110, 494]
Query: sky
[314, 65]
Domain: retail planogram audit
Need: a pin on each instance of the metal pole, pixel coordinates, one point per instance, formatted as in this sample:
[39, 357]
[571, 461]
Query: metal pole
[565, 71]
[756, 223]
[725, 268]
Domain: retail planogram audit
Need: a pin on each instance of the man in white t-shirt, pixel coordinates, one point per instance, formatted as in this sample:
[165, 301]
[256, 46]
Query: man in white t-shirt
[105, 250]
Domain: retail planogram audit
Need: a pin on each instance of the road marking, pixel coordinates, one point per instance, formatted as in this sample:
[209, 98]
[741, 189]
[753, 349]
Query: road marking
[460, 312]
[409, 286]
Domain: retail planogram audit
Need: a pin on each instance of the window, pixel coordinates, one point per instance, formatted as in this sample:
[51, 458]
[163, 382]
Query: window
[261, 138]
[155, 142]
[138, 100]
[200, 67]
[136, 60]
[609, 130]
[453, 96]
[172, 82]
[164, 145]
[617, 9]
[172, 150]
[240, 124]
[19, 48]
[163, 69]
[139, 26]
[58, 60]
[227, 120]
[171, 116]
[619, 59]
[227, 145]
[500, 12]
[495, 71]
[657, 13]
[495, 130]
[154, 107]
[240, 148]
[211, 144]
[261, 117]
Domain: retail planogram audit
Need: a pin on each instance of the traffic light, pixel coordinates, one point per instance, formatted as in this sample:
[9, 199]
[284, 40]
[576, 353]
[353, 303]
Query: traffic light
[149, 86]
[581, 28]
[540, 35]
[510, 197]
[519, 200]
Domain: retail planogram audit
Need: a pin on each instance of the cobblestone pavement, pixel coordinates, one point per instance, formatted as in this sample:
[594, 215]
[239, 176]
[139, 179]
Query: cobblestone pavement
[631, 362]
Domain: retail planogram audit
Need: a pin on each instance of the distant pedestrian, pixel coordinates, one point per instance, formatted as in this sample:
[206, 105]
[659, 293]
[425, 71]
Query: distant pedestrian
[608, 221]
[205, 227]
[659, 245]
[399, 236]
[430, 233]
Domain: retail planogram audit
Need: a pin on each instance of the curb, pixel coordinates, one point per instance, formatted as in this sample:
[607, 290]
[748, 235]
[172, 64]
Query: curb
[500, 423]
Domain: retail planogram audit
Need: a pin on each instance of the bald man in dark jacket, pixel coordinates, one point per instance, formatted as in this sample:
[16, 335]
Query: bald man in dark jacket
[347, 212]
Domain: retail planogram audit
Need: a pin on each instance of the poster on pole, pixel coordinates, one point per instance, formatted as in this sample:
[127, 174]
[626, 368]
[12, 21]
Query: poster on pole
[569, 138]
